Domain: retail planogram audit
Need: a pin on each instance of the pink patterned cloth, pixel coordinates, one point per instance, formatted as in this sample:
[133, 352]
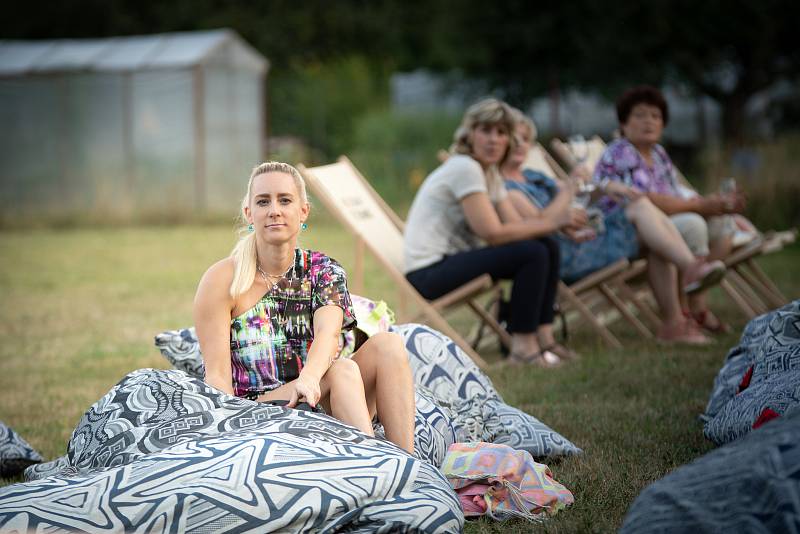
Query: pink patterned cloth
[502, 482]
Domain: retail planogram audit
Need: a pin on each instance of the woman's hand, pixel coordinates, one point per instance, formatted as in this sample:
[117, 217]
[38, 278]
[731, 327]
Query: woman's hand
[716, 204]
[306, 387]
[580, 235]
[620, 191]
[573, 218]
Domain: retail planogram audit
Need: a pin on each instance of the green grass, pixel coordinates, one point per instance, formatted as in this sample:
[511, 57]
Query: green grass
[79, 309]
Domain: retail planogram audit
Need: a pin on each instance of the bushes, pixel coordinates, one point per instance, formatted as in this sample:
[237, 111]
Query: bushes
[397, 150]
[768, 173]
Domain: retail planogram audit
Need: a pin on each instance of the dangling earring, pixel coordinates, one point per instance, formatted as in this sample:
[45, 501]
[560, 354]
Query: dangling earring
[304, 226]
[250, 228]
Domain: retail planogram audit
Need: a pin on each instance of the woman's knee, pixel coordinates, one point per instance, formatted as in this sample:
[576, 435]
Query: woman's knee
[388, 346]
[532, 250]
[694, 230]
[343, 371]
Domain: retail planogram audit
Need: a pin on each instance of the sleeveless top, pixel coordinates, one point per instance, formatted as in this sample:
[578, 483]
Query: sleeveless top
[270, 341]
[577, 260]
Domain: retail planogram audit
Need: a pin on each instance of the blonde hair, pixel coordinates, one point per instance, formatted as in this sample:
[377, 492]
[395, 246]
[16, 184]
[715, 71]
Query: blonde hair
[489, 111]
[244, 253]
[521, 118]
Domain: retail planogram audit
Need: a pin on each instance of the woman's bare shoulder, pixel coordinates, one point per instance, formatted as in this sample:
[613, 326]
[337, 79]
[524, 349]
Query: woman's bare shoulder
[220, 273]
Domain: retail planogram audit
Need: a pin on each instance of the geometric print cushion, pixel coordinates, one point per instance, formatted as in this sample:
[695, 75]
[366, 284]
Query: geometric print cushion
[493, 421]
[750, 485]
[777, 395]
[760, 376]
[476, 409]
[780, 351]
[15, 453]
[741, 357]
[182, 350]
[433, 429]
[441, 366]
[163, 451]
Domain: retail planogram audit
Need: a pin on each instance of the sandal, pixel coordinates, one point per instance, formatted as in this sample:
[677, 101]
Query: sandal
[703, 275]
[563, 352]
[543, 358]
[685, 333]
[710, 322]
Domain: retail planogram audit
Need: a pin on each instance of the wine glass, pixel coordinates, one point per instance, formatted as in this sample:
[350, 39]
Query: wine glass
[579, 148]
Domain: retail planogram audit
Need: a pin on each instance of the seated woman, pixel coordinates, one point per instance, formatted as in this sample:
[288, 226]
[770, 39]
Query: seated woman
[268, 319]
[639, 162]
[462, 225]
[634, 221]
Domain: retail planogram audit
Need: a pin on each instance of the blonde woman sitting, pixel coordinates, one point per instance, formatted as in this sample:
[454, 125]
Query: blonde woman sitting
[268, 320]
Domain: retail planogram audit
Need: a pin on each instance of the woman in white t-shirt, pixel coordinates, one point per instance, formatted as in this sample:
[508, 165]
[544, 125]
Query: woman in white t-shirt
[462, 225]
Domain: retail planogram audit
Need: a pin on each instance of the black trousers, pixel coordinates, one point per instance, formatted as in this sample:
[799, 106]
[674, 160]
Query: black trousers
[531, 264]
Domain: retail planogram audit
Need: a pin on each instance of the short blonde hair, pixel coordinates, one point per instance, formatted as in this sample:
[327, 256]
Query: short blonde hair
[489, 111]
[522, 118]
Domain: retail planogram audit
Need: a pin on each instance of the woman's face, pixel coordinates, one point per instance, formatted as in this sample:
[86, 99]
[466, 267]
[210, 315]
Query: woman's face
[519, 154]
[644, 125]
[489, 143]
[276, 209]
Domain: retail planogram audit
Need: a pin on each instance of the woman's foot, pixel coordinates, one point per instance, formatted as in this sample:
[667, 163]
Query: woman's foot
[563, 352]
[543, 358]
[684, 332]
[702, 274]
[708, 321]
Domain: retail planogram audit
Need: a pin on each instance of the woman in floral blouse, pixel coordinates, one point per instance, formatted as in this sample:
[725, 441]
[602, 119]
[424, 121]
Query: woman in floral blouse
[638, 161]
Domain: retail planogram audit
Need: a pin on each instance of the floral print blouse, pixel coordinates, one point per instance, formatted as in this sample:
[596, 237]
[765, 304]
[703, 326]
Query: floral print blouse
[621, 161]
[270, 341]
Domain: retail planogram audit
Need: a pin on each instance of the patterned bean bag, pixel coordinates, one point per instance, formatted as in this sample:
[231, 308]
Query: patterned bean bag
[477, 410]
[750, 485]
[451, 381]
[164, 451]
[16, 454]
[760, 379]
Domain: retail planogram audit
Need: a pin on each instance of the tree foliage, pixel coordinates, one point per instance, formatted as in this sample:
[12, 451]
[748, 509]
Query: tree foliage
[727, 49]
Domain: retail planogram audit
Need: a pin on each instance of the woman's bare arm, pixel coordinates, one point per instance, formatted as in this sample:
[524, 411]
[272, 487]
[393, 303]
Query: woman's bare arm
[327, 327]
[212, 318]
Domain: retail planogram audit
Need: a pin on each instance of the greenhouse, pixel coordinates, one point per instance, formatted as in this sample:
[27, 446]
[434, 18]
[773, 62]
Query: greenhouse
[129, 127]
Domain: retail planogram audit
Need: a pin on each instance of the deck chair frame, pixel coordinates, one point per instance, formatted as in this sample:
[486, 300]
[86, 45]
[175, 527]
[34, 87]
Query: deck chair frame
[609, 281]
[432, 311]
[745, 283]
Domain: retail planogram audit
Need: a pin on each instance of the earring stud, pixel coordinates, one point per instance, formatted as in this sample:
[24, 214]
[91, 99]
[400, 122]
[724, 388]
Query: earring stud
[304, 226]
[250, 227]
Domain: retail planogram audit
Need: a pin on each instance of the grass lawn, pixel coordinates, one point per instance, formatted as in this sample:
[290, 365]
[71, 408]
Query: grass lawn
[79, 309]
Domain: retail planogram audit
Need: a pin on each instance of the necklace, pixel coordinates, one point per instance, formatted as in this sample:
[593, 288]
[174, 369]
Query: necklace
[267, 276]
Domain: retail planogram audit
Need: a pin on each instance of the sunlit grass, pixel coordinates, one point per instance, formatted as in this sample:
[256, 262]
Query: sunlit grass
[80, 307]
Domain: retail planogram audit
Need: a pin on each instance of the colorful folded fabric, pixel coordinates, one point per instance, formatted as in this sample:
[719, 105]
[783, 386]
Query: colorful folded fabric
[502, 482]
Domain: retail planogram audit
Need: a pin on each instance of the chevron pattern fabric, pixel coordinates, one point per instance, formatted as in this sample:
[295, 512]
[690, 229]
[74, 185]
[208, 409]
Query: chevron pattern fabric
[164, 451]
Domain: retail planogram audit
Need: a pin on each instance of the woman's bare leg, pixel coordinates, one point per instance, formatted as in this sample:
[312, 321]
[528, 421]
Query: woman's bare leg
[658, 233]
[663, 280]
[342, 395]
[388, 386]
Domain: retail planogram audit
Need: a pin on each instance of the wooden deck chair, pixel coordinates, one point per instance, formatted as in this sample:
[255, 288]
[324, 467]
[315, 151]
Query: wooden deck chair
[609, 281]
[567, 153]
[745, 283]
[353, 201]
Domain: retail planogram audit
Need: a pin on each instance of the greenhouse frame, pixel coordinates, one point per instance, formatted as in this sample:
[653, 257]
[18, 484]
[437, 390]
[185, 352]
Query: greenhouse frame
[130, 127]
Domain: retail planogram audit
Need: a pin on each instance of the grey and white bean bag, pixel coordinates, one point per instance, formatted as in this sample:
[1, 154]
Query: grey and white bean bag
[163, 451]
[750, 485]
[15, 453]
[760, 378]
[449, 380]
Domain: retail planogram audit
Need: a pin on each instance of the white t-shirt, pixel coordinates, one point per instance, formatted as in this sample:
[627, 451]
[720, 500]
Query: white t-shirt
[436, 225]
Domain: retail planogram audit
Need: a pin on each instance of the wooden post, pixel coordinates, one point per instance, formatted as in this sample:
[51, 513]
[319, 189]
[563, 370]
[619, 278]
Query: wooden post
[198, 107]
[128, 153]
[358, 268]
